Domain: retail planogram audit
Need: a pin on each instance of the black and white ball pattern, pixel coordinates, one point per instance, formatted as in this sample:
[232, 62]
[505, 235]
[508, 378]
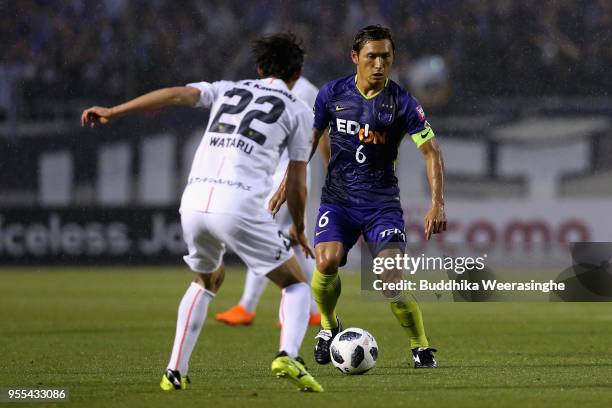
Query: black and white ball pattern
[354, 351]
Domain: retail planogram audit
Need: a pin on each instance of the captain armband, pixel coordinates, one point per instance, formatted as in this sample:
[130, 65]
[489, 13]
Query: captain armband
[421, 137]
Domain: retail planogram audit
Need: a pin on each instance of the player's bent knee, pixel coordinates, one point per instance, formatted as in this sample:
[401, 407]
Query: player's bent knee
[328, 257]
[328, 265]
[211, 281]
[287, 274]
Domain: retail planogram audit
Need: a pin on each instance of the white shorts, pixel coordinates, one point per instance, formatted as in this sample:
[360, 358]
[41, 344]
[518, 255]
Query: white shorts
[283, 220]
[257, 241]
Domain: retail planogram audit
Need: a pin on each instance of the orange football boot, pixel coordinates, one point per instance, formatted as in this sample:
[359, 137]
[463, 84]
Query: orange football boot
[315, 319]
[236, 316]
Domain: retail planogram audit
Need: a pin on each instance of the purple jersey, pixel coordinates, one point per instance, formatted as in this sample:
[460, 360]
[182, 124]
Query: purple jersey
[365, 134]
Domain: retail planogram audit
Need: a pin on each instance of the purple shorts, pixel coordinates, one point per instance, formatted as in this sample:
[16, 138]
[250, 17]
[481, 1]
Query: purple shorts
[381, 227]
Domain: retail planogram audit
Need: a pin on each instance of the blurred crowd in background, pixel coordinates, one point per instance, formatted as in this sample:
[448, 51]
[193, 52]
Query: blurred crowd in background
[518, 90]
[113, 49]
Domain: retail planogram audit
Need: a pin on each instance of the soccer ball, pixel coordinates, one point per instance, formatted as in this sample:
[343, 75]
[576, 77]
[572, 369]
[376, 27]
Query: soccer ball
[354, 351]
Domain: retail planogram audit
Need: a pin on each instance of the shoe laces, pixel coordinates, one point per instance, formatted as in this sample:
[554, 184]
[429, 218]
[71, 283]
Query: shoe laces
[325, 335]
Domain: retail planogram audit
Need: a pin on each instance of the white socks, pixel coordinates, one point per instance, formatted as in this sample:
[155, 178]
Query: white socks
[307, 266]
[254, 285]
[293, 316]
[191, 315]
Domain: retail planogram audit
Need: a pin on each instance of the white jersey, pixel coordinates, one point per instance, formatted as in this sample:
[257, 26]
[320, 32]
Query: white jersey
[251, 123]
[307, 92]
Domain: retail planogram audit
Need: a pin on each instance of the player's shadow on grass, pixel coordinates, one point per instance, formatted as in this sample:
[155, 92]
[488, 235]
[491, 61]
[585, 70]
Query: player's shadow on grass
[388, 370]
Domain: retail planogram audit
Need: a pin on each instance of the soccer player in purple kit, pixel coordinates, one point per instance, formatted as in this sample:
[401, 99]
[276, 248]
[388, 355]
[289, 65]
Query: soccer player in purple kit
[368, 116]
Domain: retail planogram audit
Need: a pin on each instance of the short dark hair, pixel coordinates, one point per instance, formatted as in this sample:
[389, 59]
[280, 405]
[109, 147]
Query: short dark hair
[372, 33]
[278, 55]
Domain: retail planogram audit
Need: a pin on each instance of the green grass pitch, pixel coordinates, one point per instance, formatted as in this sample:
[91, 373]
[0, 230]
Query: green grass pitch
[106, 333]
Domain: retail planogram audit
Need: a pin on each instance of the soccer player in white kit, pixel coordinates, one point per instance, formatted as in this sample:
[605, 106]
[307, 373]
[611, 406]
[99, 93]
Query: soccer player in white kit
[251, 123]
[244, 312]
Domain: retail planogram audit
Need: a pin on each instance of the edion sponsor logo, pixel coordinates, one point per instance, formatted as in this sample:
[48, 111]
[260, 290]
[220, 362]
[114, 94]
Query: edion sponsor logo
[365, 134]
[56, 237]
[524, 234]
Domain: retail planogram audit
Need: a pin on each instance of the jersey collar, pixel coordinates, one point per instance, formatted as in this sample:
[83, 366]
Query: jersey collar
[276, 82]
[371, 96]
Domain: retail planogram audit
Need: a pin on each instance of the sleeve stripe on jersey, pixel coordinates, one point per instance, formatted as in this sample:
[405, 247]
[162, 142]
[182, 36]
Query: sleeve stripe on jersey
[421, 137]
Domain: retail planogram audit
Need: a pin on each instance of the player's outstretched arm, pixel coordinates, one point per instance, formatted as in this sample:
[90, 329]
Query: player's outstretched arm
[435, 219]
[175, 96]
[278, 198]
[296, 201]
